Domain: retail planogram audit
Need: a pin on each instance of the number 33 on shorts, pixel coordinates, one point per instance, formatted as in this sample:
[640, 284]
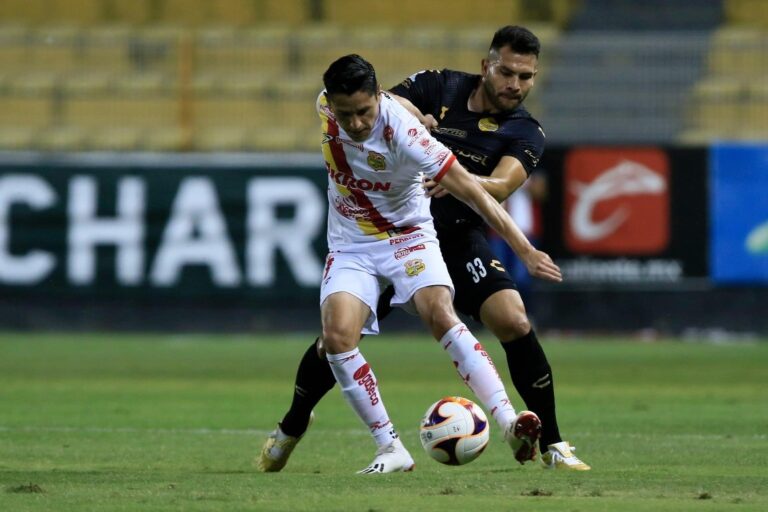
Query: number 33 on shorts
[478, 271]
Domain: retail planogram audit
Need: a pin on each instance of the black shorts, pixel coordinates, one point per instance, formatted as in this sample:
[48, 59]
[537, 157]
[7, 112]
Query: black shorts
[476, 272]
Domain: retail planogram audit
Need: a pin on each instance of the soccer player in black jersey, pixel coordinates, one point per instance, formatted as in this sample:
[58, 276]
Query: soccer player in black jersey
[482, 120]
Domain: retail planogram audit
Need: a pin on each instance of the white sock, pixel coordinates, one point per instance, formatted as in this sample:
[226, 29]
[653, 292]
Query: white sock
[361, 391]
[477, 370]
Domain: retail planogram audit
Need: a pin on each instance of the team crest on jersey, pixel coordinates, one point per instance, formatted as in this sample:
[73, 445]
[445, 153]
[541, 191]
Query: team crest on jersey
[488, 124]
[376, 161]
[414, 267]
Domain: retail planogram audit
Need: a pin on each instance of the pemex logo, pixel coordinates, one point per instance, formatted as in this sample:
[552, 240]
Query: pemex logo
[616, 201]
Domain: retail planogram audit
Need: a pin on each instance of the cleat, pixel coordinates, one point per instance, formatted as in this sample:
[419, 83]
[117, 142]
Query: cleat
[560, 456]
[277, 448]
[522, 436]
[392, 458]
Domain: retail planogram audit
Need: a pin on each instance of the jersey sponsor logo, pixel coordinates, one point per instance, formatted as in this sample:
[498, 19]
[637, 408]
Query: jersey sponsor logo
[617, 201]
[443, 111]
[473, 157]
[413, 132]
[405, 251]
[356, 183]
[328, 138]
[389, 133]
[403, 239]
[454, 132]
[414, 267]
[352, 211]
[376, 161]
[488, 124]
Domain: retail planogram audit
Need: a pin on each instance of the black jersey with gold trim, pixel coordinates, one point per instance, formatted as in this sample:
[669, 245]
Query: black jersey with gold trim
[478, 139]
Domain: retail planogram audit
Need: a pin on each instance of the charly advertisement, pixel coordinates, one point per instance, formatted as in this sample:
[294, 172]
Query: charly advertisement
[634, 216]
[175, 228]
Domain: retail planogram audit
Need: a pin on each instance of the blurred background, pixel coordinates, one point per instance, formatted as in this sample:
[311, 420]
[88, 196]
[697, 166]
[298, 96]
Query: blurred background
[159, 163]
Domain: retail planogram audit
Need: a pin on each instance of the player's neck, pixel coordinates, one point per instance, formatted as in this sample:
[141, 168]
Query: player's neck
[478, 103]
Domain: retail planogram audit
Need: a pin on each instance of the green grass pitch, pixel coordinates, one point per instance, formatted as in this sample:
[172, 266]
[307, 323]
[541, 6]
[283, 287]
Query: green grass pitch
[171, 423]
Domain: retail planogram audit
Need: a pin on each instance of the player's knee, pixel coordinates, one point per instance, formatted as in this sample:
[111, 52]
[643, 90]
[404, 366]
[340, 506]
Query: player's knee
[513, 327]
[338, 339]
[440, 319]
[320, 347]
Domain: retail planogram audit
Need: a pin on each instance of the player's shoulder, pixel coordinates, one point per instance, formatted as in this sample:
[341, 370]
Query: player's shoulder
[521, 122]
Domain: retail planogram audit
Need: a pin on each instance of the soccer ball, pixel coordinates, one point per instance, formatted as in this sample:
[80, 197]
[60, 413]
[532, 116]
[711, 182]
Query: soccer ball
[454, 431]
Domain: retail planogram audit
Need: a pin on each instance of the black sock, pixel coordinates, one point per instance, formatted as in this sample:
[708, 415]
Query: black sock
[532, 377]
[314, 379]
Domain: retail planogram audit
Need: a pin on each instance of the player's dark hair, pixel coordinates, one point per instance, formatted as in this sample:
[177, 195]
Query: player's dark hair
[350, 74]
[519, 39]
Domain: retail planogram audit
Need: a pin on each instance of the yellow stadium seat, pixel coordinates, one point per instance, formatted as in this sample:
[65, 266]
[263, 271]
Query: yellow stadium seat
[422, 12]
[24, 11]
[114, 138]
[25, 111]
[16, 137]
[106, 48]
[164, 138]
[284, 138]
[80, 12]
[243, 51]
[220, 138]
[116, 111]
[62, 138]
[752, 13]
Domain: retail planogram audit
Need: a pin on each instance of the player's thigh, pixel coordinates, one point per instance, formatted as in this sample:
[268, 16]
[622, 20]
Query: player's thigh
[433, 304]
[477, 273]
[421, 267]
[350, 274]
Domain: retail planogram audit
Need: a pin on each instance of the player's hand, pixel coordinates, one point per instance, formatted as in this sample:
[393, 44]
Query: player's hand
[434, 189]
[429, 122]
[540, 265]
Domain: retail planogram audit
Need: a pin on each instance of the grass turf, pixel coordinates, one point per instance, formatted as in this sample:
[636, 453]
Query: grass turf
[118, 422]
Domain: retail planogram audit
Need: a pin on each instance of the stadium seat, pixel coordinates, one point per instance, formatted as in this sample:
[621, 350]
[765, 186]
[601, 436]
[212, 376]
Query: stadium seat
[126, 111]
[220, 138]
[106, 48]
[25, 111]
[437, 12]
[243, 51]
[15, 137]
[114, 138]
[62, 138]
[751, 13]
[284, 138]
[164, 138]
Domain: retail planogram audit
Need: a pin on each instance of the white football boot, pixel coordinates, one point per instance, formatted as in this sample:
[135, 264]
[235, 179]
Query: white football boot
[277, 448]
[522, 436]
[392, 458]
[560, 456]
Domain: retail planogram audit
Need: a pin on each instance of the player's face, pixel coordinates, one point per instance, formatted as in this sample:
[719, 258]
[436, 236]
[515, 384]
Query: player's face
[355, 113]
[508, 78]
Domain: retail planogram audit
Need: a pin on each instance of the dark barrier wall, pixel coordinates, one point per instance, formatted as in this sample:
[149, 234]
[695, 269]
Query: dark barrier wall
[164, 229]
[237, 242]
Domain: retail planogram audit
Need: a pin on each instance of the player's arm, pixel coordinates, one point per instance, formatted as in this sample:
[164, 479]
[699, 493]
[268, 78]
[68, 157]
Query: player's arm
[507, 177]
[466, 188]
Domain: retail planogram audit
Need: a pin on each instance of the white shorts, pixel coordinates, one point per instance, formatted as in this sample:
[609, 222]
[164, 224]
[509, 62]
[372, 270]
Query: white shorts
[408, 263]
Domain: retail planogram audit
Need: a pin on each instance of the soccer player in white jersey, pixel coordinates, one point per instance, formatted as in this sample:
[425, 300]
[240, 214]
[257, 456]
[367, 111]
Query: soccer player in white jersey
[380, 231]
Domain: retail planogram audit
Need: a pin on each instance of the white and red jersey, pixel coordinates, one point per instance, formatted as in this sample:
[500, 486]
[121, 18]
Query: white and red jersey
[375, 187]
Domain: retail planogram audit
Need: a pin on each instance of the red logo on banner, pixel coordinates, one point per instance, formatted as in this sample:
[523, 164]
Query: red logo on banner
[616, 201]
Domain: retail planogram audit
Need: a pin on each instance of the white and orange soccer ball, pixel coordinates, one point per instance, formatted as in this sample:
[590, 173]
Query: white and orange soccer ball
[454, 431]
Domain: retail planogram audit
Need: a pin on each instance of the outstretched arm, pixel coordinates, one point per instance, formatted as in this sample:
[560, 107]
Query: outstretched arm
[466, 188]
